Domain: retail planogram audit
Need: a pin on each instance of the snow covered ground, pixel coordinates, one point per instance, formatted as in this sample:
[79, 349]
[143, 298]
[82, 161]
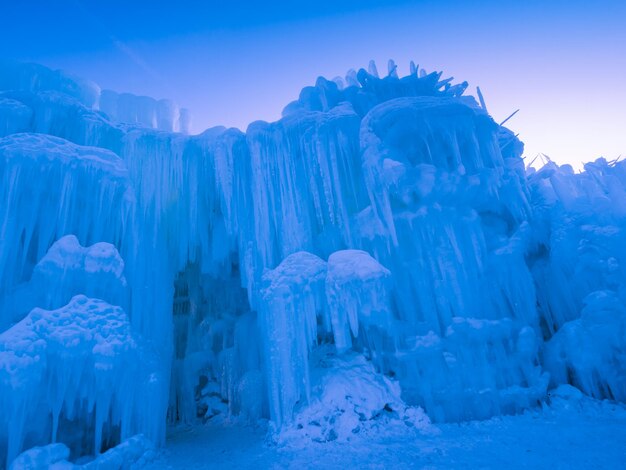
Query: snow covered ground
[574, 432]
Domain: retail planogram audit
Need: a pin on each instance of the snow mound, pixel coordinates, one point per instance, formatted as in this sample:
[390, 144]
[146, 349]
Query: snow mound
[78, 364]
[350, 400]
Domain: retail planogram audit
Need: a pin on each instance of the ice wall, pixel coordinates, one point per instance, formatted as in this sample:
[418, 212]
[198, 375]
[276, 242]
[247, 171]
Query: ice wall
[577, 261]
[388, 219]
[451, 221]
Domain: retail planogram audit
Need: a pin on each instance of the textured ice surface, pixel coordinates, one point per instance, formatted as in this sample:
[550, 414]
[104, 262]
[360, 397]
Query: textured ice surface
[293, 297]
[64, 368]
[357, 293]
[18, 76]
[50, 188]
[44, 457]
[590, 351]
[390, 220]
[68, 269]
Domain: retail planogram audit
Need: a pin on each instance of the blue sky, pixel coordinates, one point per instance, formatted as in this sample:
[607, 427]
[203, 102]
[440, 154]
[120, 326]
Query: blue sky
[562, 63]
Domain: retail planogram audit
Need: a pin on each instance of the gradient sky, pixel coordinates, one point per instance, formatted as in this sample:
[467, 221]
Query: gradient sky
[232, 62]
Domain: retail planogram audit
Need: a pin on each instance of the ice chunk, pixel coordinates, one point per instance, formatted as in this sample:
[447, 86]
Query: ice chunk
[371, 68]
[134, 452]
[392, 69]
[184, 121]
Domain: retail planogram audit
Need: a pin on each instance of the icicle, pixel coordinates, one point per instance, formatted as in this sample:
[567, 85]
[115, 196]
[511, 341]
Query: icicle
[481, 99]
[392, 69]
[340, 83]
[510, 116]
[351, 79]
[371, 68]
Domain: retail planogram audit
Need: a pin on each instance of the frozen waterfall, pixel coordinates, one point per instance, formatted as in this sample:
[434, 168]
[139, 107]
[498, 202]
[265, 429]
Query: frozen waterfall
[384, 232]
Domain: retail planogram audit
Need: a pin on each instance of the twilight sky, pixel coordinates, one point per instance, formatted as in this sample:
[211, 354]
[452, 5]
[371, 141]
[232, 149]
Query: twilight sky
[563, 63]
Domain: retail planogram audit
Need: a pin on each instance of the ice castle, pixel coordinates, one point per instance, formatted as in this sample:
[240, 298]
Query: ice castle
[149, 276]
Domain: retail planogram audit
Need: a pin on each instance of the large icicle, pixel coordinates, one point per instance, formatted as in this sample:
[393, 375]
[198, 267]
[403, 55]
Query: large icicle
[293, 296]
[357, 292]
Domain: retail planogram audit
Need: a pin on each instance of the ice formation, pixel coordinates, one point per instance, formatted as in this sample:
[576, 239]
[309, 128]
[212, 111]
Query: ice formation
[68, 269]
[164, 114]
[77, 374]
[388, 220]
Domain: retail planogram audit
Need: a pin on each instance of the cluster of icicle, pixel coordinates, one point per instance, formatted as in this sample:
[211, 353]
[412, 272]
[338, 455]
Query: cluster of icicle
[492, 285]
